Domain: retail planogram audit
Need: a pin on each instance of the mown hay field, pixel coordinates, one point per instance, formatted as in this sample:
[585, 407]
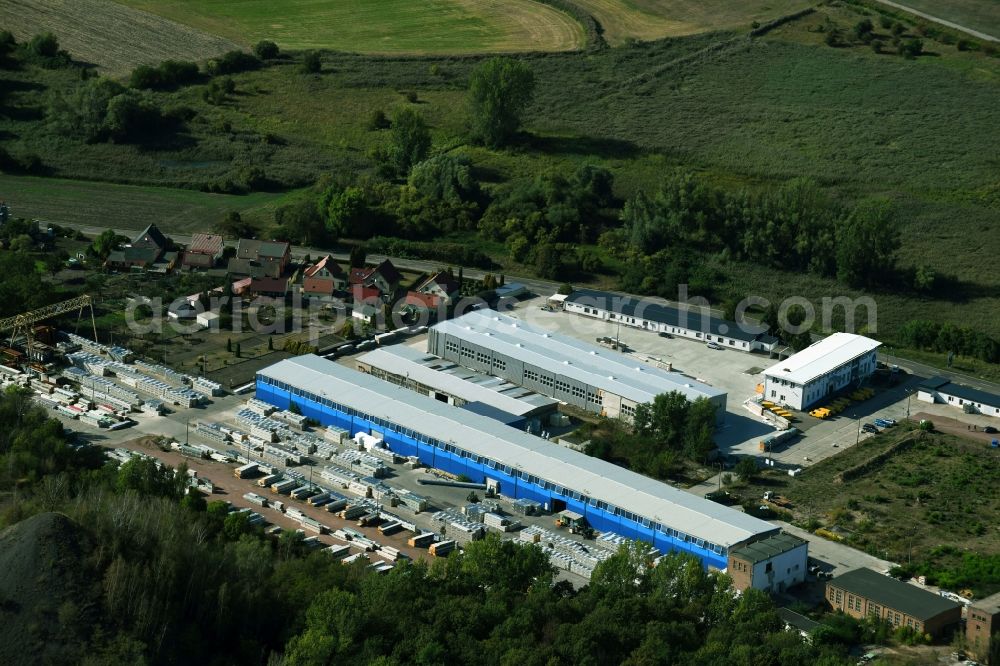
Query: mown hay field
[112, 36]
[382, 26]
[654, 19]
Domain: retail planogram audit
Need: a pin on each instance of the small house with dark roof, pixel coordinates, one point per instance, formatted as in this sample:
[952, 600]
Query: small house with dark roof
[145, 250]
[323, 278]
[204, 251]
[865, 593]
[943, 390]
[268, 286]
[257, 259]
[383, 277]
[443, 285]
[773, 564]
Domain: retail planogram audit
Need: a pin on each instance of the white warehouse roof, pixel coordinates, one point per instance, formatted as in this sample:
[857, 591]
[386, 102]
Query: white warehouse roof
[483, 436]
[453, 379]
[612, 371]
[822, 357]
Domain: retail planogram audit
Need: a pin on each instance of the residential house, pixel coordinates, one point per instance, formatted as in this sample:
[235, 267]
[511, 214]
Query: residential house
[367, 312]
[323, 278]
[422, 304]
[442, 285]
[259, 259]
[383, 277]
[204, 251]
[268, 286]
[865, 593]
[142, 253]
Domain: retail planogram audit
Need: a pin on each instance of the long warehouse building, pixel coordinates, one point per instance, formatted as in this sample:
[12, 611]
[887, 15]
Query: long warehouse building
[515, 463]
[581, 374]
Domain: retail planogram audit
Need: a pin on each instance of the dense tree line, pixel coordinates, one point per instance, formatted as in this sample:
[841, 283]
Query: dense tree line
[100, 109]
[944, 338]
[793, 227]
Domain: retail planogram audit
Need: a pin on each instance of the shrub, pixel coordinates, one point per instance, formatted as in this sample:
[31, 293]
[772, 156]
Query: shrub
[233, 62]
[378, 121]
[311, 63]
[266, 50]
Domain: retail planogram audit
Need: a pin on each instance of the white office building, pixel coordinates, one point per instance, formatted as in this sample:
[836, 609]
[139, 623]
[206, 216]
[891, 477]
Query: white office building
[836, 362]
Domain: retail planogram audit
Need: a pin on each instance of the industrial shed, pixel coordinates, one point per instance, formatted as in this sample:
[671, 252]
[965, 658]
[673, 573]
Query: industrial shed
[836, 362]
[653, 316]
[452, 383]
[943, 390]
[580, 374]
[516, 464]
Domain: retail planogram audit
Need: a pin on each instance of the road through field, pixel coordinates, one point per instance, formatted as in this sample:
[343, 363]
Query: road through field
[950, 24]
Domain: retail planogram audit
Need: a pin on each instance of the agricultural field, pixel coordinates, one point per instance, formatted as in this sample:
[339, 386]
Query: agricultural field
[981, 15]
[654, 19]
[123, 206]
[114, 37]
[905, 494]
[385, 26]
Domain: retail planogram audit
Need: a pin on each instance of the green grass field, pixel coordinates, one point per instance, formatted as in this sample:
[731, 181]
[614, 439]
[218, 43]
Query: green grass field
[124, 206]
[380, 26]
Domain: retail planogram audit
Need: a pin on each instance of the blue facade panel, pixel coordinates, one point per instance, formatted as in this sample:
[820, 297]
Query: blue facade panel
[510, 485]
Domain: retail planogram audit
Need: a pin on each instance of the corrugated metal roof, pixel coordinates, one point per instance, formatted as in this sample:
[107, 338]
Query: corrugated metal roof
[485, 437]
[589, 364]
[822, 357]
[455, 380]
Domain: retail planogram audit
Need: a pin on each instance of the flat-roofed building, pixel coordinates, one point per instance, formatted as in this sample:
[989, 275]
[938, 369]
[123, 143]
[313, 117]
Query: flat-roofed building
[836, 362]
[943, 390]
[651, 315]
[512, 462]
[864, 593]
[452, 383]
[578, 373]
[773, 564]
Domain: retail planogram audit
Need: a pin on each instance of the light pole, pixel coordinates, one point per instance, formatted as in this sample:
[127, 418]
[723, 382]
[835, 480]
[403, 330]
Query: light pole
[720, 475]
[857, 438]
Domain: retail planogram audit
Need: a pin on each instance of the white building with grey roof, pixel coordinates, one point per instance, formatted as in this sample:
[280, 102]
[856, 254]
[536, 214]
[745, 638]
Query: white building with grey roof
[586, 376]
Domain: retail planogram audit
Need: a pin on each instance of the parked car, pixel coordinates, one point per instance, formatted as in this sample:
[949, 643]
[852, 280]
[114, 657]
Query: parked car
[664, 334]
[869, 427]
[714, 345]
[990, 430]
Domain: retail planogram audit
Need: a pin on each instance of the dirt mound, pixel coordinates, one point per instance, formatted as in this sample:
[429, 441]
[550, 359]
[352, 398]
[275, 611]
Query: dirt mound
[47, 596]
